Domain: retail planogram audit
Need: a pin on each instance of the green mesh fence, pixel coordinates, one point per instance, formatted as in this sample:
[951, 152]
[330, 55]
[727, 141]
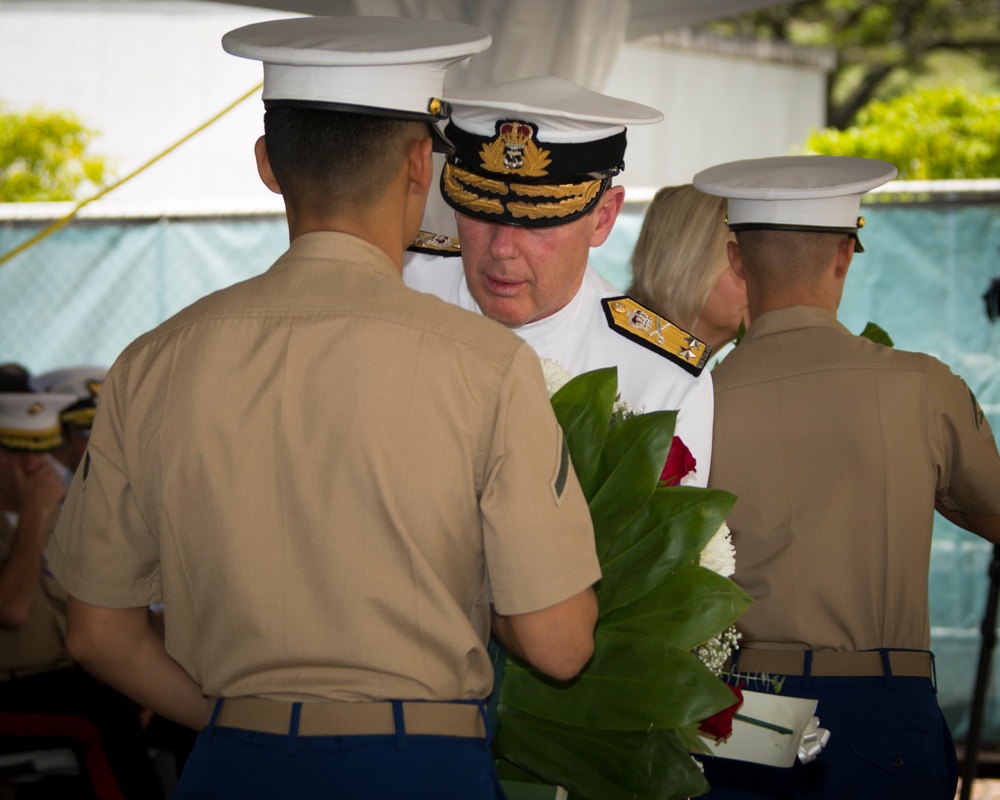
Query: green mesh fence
[82, 294]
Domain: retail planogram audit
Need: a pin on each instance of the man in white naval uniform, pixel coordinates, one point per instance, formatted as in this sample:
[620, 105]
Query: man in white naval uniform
[530, 180]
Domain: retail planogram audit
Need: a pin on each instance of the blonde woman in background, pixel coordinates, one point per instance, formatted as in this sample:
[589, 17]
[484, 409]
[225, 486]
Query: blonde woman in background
[680, 265]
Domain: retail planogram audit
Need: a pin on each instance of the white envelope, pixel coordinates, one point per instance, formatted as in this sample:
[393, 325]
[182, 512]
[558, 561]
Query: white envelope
[761, 745]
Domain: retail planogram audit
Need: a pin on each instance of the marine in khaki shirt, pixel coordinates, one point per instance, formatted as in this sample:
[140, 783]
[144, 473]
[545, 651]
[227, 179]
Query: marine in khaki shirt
[379, 474]
[798, 375]
[336, 486]
[839, 451]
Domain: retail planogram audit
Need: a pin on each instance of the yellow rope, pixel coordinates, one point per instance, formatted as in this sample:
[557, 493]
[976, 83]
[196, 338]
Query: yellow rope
[48, 231]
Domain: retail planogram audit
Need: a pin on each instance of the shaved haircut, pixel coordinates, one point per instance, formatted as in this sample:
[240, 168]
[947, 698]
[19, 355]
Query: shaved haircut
[784, 258]
[333, 160]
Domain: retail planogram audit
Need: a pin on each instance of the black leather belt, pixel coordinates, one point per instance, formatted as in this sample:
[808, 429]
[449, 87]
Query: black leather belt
[835, 663]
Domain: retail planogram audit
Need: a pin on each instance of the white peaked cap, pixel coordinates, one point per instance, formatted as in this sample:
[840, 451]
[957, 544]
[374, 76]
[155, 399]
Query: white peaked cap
[385, 63]
[78, 381]
[562, 111]
[566, 141]
[30, 421]
[796, 192]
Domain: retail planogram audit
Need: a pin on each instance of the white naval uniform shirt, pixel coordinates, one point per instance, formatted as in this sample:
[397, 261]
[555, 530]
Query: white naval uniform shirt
[579, 338]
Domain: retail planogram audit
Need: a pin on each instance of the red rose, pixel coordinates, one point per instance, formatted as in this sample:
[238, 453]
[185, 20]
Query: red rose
[720, 724]
[679, 463]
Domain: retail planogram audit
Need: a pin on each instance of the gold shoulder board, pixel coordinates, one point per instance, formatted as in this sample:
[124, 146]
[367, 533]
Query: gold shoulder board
[656, 333]
[435, 244]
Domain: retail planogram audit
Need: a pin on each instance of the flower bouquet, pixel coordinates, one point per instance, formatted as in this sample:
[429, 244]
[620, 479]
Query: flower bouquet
[624, 726]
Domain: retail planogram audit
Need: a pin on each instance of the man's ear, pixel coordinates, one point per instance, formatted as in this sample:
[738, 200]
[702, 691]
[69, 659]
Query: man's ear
[420, 166]
[608, 208]
[264, 166]
[845, 255]
[736, 259]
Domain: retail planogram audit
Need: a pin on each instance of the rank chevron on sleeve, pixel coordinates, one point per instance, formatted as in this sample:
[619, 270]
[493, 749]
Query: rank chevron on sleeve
[643, 326]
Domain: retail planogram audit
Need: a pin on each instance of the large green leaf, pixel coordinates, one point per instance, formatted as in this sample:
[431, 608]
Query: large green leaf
[640, 448]
[631, 683]
[622, 728]
[877, 335]
[691, 740]
[683, 612]
[598, 764]
[583, 408]
[651, 432]
[685, 516]
[669, 531]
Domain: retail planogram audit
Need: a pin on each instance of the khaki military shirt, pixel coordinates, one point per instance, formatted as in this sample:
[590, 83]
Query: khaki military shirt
[837, 449]
[327, 478]
[41, 641]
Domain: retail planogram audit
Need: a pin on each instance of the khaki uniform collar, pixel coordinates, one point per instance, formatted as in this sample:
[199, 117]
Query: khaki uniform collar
[792, 318]
[343, 247]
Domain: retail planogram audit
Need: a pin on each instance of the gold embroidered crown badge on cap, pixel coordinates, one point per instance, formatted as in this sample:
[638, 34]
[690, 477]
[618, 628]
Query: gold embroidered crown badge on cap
[514, 151]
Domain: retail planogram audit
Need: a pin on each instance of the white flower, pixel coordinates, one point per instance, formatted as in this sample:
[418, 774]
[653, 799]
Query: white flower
[556, 375]
[717, 650]
[719, 555]
[623, 408]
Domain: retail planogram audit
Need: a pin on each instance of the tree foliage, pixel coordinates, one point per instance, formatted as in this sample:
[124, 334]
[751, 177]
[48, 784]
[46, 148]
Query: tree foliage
[935, 134]
[44, 156]
[877, 42]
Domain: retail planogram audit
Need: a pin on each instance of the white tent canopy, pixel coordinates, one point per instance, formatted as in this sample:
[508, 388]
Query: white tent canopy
[146, 74]
[573, 39]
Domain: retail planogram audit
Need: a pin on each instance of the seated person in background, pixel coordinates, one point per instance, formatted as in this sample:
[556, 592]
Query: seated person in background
[84, 383]
[46, 701]
[680, 266]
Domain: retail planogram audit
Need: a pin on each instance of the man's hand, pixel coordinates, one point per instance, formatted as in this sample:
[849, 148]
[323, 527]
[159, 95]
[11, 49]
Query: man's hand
[39, 485]
[34, 486]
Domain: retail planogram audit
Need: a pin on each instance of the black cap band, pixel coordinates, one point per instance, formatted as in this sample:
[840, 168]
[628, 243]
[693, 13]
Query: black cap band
[773, 226]
[515, 153]
[441, 142]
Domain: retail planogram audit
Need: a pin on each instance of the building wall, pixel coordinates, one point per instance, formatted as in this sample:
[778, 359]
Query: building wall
[146, 74]
[717, 108]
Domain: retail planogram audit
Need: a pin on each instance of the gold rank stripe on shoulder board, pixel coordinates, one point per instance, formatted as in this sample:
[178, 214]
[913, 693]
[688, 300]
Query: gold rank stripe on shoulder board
[435, 244]
[638, 323]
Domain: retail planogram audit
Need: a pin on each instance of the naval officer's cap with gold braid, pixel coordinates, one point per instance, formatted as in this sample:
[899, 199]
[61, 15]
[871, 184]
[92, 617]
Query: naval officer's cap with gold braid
[796, 193]
[380, 66]
[30, 421]
[536, 151]
[83, 383]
